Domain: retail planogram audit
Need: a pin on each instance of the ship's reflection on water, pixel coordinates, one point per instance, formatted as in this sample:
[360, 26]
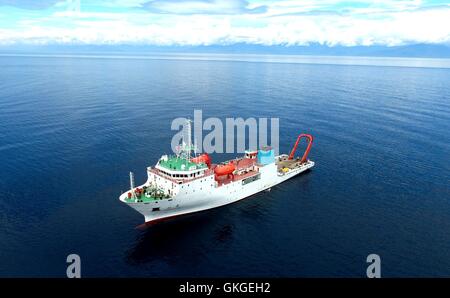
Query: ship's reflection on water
[187, 237]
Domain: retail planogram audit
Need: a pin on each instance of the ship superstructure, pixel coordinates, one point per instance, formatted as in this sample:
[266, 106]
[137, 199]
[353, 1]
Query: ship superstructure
[188, 182]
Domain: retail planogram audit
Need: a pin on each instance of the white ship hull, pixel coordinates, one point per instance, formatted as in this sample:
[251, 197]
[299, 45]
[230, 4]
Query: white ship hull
[205, 194]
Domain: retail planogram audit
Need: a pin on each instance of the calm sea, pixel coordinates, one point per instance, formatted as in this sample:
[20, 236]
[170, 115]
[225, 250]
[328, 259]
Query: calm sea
[72, 127]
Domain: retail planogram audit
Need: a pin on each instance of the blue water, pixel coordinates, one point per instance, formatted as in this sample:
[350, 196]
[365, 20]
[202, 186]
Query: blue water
[71, 128]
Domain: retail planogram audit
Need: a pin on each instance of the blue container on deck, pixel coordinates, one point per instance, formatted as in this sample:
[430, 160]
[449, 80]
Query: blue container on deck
[266, 155]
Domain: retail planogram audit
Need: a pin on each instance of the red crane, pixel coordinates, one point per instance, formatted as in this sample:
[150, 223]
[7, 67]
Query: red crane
[305, 155]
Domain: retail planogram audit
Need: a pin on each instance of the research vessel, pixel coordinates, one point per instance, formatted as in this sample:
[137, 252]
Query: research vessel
[187, 182]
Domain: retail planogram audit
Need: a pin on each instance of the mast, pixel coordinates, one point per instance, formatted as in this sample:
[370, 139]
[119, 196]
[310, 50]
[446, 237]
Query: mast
[187, 141]
[132, 184]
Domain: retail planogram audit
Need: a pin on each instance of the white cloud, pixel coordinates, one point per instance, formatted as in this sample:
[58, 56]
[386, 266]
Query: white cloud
[202, 7]
[284, 22]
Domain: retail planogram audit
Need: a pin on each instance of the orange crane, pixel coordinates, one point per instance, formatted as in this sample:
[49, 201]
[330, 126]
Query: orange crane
[305, 155]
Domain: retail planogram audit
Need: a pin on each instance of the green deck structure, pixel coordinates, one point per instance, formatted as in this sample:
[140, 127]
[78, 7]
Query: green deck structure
[175, 164]
[142, 198]
[154, 195]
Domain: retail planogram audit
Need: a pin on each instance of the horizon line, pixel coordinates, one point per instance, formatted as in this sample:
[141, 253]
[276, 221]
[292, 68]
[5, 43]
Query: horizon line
[408, 62]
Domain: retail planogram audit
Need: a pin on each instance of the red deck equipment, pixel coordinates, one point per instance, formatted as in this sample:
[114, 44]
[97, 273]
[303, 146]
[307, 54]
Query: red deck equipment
[227, 169]
[305, 155]
[203, 158]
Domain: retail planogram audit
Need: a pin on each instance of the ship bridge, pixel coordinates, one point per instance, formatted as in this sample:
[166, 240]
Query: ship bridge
[177, 168]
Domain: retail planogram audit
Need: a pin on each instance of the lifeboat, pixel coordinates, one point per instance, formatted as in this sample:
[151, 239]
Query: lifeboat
[204, 158]
[222, 170]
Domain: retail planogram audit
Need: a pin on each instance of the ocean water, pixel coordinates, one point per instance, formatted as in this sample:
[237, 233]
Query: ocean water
[72, 127]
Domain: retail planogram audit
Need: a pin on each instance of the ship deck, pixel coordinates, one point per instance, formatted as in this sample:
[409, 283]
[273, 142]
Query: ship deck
[144, 199]
[244, 167]
[235, 178]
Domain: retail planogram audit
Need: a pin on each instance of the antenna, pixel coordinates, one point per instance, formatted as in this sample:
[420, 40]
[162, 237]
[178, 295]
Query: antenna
[187, 142]
[132, 184]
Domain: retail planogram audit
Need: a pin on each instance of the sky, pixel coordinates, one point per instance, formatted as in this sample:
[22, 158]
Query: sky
[224, 22]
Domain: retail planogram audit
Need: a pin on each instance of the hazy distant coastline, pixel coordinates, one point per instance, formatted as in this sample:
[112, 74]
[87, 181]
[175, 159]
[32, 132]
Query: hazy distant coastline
[413, 51]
